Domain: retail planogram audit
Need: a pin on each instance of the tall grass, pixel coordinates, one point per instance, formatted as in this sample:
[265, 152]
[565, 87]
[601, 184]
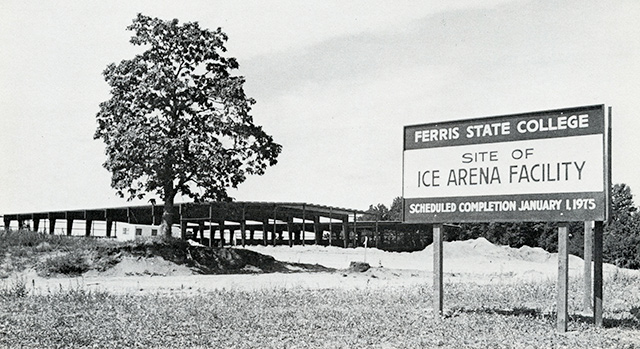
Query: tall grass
[478, 316]
[20, 249]
[68, 255]
[30, 240]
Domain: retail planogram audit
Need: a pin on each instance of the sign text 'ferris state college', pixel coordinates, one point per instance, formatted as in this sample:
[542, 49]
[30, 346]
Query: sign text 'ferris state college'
[540, 166]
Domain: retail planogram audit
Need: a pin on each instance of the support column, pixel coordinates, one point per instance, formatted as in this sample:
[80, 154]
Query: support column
[345, 231]
[243, 232]
[597, 273]
[356, 237]
[297, 236]
[109, 226]
[212, 233]
[330, 233]
[201, 229]
[275, 227]
[317, 230]
[221, 228]
[20, 223]
[265, 231]
[232, 240]
[563, 278]
[183, 229]
[7, 223]
[36, 224]
[274, 239]
[69, 226]
[251, 235]
[280, 235]
[330, 226]
[588, 253]
[304, 223]
[52, 226]
[289, 231]
[87, 227]
[377, 234]
[438, 288]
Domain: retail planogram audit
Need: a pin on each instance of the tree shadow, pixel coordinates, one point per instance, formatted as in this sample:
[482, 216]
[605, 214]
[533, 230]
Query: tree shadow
[630, 322]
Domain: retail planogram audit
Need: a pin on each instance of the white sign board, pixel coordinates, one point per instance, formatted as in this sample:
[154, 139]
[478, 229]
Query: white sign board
[542, 166]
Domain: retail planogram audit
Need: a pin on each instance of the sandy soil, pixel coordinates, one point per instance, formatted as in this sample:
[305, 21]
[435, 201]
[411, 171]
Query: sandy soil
[476, 261]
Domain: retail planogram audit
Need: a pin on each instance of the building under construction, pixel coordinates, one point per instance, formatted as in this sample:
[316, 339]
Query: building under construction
[230, 223]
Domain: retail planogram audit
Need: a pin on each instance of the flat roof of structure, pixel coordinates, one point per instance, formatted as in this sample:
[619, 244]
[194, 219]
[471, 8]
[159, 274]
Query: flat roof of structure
[203, 211]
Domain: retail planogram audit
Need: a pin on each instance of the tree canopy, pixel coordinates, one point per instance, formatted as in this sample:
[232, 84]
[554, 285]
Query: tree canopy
[178, 121]
[382, 213]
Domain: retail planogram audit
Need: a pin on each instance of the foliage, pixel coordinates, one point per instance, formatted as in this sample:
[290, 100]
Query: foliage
[16, 289]
[20, 249]
[178, 121]
[395, 211]
[382, 213]
[622, 234]
[498, 315]
[21, 238]
[72, 263]
[378, 212]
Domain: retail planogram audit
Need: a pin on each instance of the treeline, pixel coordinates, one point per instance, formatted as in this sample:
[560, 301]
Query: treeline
[621, 237]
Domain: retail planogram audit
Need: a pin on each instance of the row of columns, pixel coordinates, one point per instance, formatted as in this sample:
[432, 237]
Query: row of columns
[295, 235]
[69, 225]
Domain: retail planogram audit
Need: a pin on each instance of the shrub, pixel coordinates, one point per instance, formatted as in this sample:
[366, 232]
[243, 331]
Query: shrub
[72, 263]
[20, 238]
[17, 289]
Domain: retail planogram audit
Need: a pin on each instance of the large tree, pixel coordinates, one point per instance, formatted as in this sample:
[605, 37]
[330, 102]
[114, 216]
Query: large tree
[178, 121]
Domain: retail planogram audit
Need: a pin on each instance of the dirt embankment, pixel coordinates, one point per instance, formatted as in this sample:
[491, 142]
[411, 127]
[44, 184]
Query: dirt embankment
[207, 260]
[138, 258]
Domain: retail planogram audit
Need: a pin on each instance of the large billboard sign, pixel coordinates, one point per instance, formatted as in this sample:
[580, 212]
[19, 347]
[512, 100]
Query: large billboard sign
[540, 166]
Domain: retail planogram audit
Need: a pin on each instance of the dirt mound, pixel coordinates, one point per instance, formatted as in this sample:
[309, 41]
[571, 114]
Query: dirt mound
[140, 266]
[170, 258]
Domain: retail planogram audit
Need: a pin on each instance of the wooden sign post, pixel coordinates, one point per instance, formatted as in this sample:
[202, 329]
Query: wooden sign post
[438, 287]
[597, 273]
[563, 278]
[588, 257]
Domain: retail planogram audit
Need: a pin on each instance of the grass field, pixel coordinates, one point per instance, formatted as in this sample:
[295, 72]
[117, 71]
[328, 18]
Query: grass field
[478, 316]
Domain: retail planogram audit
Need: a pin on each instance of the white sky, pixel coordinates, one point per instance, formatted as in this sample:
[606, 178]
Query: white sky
[335, 82]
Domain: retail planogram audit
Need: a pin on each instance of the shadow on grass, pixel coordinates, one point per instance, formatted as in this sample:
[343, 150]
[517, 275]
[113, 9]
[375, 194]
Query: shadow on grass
[629, 322]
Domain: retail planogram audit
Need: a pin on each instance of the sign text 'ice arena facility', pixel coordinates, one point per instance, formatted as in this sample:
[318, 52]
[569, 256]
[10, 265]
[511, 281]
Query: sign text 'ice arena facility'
[540, 166]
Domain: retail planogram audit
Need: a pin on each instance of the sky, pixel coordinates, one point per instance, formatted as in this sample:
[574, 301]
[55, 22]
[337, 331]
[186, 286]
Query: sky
[335, 83]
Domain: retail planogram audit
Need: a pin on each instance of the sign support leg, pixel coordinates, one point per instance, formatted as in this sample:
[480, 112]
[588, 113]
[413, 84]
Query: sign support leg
[597, 273]
[438, 288]
[588, 253]
[563, 277]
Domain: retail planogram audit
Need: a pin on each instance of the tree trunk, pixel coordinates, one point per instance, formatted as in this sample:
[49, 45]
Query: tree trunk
[167, 214]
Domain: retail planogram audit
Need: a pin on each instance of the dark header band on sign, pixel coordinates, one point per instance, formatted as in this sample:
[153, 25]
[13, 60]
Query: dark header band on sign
[545, 124]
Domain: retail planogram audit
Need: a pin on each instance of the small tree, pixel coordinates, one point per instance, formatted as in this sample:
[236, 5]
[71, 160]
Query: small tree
[622, 234]
[178, 121]
[395, 211]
